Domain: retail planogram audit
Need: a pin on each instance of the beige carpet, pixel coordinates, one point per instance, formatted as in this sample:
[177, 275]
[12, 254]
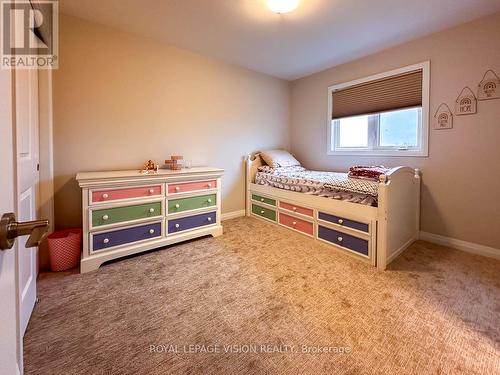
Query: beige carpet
[435, 311]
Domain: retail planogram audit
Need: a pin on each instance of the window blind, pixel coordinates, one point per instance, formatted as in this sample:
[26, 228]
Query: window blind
[386, 94]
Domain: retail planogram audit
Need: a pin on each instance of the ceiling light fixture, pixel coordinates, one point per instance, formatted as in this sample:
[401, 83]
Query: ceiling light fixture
[282, 6]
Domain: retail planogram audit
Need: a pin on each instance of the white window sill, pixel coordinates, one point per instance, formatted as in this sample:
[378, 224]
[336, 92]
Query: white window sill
[394, 153]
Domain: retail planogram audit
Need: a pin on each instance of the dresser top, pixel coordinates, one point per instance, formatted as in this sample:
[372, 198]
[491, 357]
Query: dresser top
[88, 177]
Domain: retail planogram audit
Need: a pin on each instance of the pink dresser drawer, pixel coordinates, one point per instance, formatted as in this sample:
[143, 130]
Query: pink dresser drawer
[294, 223]
[126, 193]
[297, 209]
[191, 186]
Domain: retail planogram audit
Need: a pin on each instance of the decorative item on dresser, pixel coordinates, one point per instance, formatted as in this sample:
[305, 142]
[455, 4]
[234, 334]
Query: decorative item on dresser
[150, 167]
[175, 162]
[126, 212]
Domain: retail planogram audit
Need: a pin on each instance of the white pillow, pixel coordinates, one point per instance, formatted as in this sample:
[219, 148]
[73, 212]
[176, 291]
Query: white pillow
[279, 158]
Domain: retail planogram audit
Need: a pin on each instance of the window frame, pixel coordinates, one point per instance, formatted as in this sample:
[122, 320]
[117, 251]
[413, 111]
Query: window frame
[423, 132]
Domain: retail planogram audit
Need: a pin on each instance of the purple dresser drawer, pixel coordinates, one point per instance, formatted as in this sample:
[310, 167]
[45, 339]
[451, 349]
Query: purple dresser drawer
[191, 222]
[124, 236]
[345, 240]
[344, 222]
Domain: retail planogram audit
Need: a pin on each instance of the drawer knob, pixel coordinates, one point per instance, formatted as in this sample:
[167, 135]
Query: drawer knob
[151, 231]
[209, 218]
[340, 239]
[294, 223]
[177, 205]
[105, 217]
[340, 221]
[209, 200]
[177, 188]
[105, 196]
[209, 185]
[294, 208]
[106, 240]
[262, 211]
[151, 210]
[151, 191]
[177, 225]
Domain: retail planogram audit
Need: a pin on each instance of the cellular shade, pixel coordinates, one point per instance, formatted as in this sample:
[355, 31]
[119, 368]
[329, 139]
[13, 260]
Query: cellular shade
[386, 94]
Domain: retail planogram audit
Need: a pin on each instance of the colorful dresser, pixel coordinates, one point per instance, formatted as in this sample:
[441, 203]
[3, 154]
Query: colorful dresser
[126, 212]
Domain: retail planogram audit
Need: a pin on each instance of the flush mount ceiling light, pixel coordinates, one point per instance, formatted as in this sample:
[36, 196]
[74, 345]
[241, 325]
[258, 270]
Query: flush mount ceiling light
[282, 6]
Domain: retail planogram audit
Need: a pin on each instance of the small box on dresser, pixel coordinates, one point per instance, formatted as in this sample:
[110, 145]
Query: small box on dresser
[126, 212]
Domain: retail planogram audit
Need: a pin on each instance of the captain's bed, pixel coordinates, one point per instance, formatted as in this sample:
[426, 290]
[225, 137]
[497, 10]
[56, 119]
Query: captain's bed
[371, 219]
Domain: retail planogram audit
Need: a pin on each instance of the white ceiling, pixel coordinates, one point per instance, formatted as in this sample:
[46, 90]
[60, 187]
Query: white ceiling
[319, 34]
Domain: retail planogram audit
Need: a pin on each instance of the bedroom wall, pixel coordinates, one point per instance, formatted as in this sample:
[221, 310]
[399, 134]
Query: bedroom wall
[461, 183]
[121, 99]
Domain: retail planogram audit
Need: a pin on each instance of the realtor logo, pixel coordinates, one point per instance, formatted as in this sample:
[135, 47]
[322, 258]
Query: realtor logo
[29, 37]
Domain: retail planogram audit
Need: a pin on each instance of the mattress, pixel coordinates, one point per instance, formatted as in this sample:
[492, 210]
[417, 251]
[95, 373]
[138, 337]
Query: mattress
[324, 184]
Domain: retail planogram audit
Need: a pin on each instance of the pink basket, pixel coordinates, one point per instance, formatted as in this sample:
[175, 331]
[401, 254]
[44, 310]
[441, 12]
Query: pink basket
[64, 249]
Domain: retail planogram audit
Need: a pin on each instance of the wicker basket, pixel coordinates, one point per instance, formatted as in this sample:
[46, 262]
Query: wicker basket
[65, 249]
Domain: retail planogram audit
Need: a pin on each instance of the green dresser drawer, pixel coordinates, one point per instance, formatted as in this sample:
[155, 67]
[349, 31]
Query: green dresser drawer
[126, 213]
[264, 212]
[269, 201]
[191, 203]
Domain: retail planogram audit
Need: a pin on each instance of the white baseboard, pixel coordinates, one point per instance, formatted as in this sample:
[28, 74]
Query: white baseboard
[232, 215]
[400, 250]
[461, 245]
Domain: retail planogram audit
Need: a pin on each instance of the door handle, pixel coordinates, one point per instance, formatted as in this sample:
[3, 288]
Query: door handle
[10, 229]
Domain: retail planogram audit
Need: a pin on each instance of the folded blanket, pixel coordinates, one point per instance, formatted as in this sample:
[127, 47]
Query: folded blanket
[367, 173]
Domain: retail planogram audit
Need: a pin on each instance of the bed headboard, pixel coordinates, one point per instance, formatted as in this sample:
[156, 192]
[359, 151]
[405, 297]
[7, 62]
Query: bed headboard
[253, 162]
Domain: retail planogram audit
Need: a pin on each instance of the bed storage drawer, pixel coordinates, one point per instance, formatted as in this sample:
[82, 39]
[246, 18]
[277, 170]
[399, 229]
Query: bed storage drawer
[191, 203]
[264, 212]
[265, 200]
[191, 222]
[297, 224]
[98, 196]
[126, 213]
[344, 222]
[355, 244]
[297, 209]
[119, 237]
[191, 186]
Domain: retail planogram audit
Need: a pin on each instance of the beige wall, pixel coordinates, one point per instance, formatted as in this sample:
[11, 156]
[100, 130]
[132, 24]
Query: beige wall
[120, 100]
[461, 176]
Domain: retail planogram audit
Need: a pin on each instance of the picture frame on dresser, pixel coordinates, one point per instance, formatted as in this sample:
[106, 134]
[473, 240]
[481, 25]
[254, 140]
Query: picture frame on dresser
[127, 212]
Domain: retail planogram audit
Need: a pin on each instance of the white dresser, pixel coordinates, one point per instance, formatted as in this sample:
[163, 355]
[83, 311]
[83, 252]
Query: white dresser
[126, 212]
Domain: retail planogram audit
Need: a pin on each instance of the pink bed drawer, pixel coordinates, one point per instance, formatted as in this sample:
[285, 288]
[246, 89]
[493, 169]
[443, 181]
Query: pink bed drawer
[297, 209]
[117, 194]
[191, 186]
[298, 224]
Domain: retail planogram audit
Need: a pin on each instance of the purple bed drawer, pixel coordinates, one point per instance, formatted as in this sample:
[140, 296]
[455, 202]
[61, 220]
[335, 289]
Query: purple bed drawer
[124, 236]
[344, 222]
[191, 222]
[345, 240]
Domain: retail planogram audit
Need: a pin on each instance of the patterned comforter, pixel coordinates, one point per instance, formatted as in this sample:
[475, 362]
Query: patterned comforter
[326, 184]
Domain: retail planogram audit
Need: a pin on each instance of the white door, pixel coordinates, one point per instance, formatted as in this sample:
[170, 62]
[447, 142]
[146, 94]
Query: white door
[10, 340]
[26, 155]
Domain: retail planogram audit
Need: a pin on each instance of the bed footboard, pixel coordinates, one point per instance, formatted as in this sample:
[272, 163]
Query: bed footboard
[399, 213]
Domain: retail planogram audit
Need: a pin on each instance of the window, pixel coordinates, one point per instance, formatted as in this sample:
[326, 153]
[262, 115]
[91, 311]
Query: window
[383, 115]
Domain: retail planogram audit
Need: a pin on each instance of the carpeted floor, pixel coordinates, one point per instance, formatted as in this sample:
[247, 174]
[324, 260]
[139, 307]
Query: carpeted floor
[269, 294]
